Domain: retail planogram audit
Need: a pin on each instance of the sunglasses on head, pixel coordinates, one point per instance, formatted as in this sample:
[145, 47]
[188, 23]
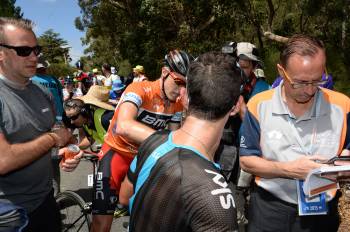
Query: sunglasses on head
[24, 50]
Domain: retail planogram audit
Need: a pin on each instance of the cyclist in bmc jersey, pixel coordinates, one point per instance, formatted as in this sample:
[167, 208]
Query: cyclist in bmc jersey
[144, 108]
[173, 183]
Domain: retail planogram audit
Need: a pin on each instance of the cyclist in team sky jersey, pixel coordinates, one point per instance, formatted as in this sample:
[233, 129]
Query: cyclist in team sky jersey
[176, 186]
[144, 108]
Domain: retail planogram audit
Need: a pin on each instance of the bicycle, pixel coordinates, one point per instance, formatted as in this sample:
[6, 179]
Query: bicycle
[75, 212]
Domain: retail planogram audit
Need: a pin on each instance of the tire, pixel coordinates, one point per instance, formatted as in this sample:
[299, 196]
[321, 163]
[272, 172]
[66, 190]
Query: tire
[75, 213]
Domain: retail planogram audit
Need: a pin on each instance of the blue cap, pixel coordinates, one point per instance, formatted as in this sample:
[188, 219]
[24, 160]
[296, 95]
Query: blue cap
[117, 85]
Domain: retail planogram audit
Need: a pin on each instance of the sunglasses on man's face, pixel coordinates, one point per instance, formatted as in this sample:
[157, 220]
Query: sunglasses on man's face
[74, 117]
[24, 50]
[178, 81]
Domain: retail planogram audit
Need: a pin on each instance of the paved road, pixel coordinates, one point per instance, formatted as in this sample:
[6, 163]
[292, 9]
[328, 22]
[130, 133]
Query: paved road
[77, 182]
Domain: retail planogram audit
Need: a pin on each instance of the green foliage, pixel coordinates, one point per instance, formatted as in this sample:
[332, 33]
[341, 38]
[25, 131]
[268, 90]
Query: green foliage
[8, 9]
[55, 48]
[60, 70]
[142, 31]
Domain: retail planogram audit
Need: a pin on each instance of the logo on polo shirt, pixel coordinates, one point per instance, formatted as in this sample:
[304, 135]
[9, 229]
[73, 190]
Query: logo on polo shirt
[242, 142]
[274, 134]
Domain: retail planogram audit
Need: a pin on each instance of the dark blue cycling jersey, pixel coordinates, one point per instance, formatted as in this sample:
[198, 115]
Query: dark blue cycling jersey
[178, 189]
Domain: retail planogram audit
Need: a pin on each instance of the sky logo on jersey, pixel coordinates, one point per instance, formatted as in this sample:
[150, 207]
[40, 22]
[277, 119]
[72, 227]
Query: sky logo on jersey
[225, 194]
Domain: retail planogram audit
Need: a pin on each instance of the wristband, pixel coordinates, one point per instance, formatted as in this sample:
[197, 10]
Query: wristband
[53, 137]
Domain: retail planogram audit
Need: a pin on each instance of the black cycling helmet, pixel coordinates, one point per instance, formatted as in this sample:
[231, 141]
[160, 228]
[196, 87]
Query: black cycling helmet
[178, 61]
[230, 48]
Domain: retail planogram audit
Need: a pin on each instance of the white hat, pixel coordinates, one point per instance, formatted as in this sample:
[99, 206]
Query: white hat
[42, 62]
[113, 70]
[247, 50]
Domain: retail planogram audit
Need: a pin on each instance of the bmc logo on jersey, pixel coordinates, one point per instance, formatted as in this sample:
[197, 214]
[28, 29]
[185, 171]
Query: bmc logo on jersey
[225, 194]
[154, 122]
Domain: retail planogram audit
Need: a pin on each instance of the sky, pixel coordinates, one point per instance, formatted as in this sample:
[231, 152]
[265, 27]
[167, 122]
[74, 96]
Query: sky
[58, 15]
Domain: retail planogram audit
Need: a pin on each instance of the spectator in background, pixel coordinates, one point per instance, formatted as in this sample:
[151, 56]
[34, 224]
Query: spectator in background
[82, 78]
[139, 74]
[90, 113]
[51, 85]
[106, 70]
[247, 59]
[98, 77]
[116, 92]
[69, 90]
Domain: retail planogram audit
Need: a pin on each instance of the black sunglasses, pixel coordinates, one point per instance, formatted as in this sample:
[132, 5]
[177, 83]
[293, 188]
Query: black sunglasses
[24, 50]
[74, 117]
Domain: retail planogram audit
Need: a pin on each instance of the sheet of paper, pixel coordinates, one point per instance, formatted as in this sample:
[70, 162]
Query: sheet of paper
[315, 184]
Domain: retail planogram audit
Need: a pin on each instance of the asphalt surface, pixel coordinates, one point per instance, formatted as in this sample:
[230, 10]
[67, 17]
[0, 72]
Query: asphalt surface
[77, 181]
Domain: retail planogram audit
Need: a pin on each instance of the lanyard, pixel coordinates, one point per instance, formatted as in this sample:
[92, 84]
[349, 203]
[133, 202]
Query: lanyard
[310, 149]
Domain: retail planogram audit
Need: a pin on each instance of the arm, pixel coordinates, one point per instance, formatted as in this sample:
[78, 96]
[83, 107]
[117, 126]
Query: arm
[126, 191]
[15, 156]
[84, 142]
[129, 127]
[297, 169]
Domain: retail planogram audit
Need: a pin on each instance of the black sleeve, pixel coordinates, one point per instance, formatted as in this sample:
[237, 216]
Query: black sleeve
[106, 118]
[208, 200]
[347, 138]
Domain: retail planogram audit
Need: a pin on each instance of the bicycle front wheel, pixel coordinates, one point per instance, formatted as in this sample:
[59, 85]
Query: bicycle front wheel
[75, 213]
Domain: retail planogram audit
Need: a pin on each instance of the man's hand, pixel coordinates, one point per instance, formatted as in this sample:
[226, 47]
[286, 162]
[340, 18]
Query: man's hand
[340, 176]
[62, 136]
[299, 168]
[69, 164]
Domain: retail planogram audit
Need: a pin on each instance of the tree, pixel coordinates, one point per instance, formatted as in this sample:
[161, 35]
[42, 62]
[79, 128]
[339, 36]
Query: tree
[54, 48]
[8, 9]
[142, 31]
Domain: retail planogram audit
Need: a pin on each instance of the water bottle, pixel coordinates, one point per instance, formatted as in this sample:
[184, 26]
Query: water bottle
[58, 125]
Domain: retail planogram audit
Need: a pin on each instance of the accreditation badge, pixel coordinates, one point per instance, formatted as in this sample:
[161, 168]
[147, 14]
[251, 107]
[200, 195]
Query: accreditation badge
[315, 205]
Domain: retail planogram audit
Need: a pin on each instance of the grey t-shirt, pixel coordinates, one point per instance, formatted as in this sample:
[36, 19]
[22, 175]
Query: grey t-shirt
[25, 114]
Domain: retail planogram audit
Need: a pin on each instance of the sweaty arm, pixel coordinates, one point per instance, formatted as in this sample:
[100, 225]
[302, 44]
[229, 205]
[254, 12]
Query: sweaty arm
[129, 127]
[15, 156]
[126, 191]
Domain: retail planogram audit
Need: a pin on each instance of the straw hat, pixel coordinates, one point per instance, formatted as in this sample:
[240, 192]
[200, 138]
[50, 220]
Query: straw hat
[139, 69]
[97, 96]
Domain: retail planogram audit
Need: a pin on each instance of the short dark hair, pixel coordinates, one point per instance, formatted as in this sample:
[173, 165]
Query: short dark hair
[213, 85]
[76, 104]
[303, 45]
[107, 67]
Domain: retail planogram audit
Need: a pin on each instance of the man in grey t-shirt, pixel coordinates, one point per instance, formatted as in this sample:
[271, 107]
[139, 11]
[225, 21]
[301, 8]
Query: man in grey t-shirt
[26, 119]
